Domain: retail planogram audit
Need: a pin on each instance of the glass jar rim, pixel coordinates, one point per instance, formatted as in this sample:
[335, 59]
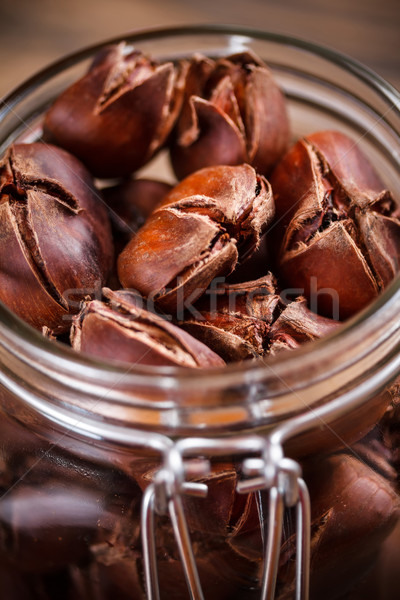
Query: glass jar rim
[334, 56]
[351, 333]
[372, 324]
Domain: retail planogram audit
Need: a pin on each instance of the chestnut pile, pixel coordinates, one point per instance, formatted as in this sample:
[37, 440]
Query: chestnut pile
[197, 257]
[258, 248]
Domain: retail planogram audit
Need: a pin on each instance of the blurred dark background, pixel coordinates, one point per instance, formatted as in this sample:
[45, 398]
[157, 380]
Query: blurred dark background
[34, 33]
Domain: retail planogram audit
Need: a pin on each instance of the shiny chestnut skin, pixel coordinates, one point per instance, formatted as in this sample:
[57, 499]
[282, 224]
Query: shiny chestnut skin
[119, 114]
[340, 225]
[55, 243]
[122, 330]
[196, 234]
[233, 112]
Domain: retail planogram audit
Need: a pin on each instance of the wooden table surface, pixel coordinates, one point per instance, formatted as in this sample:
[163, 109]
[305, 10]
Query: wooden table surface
[36, 32]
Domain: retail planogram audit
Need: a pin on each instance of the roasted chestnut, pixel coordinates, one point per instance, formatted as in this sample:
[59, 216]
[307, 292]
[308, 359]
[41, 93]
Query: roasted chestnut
[250, 320]
[55, 242]
[233, 112]
[122, 330]
[119, 114]
[341, 232]
[196, 234]
[353, 509]
[234, 320]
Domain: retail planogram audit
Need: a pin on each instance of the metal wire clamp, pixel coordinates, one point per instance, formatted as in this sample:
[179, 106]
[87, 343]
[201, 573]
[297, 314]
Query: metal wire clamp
[263, 468]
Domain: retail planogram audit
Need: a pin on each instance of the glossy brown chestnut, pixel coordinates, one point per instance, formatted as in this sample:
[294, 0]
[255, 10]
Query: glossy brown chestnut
[122, 330]
[55, 244]
[233, 112]
[119, 114]
[196, 234]
[341, 233]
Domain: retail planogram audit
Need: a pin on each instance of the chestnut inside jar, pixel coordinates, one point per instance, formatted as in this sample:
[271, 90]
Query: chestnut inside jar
[80, 537]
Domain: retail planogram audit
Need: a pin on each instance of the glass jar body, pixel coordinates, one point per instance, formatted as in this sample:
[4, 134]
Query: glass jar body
[70, 518]
[75, 464]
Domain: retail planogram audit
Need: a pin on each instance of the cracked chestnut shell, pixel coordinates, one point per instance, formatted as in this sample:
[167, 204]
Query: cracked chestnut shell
[119, 114]
[55, 242]
[249, 320]
[341, 230]
[296, 325]
[196, 234]
[122, 330]
[233, 112]
[234, 320]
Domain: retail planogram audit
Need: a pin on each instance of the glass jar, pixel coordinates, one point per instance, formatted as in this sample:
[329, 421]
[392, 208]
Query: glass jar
[105, 467]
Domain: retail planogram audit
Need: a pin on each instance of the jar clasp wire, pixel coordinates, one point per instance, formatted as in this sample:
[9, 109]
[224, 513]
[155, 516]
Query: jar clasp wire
[264, 468]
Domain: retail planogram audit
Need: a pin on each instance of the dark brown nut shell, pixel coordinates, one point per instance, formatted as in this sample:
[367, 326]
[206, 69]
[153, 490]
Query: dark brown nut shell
[192, 236]
[234, 319]
[297, 325]
[249, 320]
[56, 242]
[236, 197]
[258, 298]
[119, 114]
[132, 202]
[176, 254]
[233, 112]
[123, 331]
[353, 510]
[341, 233]
[233, 337]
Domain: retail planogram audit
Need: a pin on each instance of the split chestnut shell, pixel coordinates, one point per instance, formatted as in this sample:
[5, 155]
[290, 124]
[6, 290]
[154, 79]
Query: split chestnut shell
[55, 241]
[196, 234]
[341, 242]
[233, 112]
[119, 114]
